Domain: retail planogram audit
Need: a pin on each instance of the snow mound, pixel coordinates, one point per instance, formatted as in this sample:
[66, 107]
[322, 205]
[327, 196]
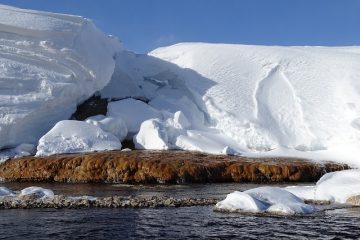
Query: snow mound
[152, 135]
[70, 136]
[264, 98]
[265, 199]
[335, 187]
[49, 63]
[112, 125]
[6, 192]
[37, 191]
[133, 112]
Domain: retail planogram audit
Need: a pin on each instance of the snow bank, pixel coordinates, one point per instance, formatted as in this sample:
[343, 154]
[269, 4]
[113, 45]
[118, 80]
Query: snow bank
[233, 99]
[70, 136]
[48, 64]
[264, 199]
[265, 98]
[334, 187]
[37, 191]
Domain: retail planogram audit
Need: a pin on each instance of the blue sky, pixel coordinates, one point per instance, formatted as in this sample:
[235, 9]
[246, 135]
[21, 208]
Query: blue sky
[146, 24]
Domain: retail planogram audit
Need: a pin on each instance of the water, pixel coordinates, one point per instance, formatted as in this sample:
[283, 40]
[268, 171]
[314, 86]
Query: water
[168, 223]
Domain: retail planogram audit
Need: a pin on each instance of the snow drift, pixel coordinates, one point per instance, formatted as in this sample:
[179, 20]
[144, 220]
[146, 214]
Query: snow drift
[303, 98]
[48, 64]
[215, 98]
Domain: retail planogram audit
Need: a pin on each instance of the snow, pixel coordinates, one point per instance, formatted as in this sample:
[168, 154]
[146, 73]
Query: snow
[70, 136]
[304, 99]
[38, 191]
[49, 63]
[265, 199]
[133, 112]
[6, 192]
[215, 98]
[116, 126]
[335, 187]
[152, 135]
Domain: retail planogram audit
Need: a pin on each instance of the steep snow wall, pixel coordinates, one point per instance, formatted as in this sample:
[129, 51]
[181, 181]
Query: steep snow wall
[265, 98]
[48, 64]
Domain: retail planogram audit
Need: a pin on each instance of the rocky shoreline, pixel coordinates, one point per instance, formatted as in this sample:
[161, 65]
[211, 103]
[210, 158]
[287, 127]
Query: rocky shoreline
[170, 167]
[61, 201]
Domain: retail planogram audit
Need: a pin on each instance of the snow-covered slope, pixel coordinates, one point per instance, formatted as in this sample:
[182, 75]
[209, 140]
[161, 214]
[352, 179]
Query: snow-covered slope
[264, 98]
[216, 98]
[48, 64]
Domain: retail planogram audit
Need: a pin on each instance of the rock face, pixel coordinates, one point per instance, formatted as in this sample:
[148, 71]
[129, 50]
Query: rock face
[162, 167]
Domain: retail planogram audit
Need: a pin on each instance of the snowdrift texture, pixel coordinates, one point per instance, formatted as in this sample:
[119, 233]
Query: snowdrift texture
[215, 98]
[335, 187]
[264, 98]
[48, 64]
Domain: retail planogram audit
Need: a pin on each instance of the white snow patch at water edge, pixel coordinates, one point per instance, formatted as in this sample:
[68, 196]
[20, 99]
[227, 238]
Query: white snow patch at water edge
[335, 187]
[38, 191]
[265, 199]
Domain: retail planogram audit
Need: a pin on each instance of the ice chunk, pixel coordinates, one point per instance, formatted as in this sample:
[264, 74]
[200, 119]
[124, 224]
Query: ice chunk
[71, 136]
[206, 141]
[114, 125]
[37, 191]
[152, 135]
[265, 199]
[133, 112]
[240, 201]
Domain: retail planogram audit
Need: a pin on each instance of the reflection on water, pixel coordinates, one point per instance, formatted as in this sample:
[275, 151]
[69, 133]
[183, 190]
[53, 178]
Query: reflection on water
[177, 191]
[173, 223]
[168, 223]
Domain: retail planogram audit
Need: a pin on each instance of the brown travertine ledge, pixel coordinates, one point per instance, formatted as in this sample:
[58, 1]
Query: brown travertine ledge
[163, 167]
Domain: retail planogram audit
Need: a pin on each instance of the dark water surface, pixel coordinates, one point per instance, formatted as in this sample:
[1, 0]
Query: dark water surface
[168, 223]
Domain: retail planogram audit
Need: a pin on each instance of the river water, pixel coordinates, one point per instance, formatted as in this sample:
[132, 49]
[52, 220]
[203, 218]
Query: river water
[168, 223]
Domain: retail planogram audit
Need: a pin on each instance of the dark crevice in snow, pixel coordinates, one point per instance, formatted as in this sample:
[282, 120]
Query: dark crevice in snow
[96, 105]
